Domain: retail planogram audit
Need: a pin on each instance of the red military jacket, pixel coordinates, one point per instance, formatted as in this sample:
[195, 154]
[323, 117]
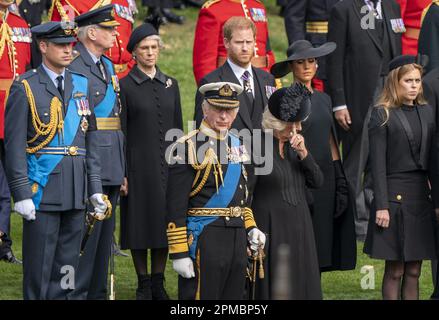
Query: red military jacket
[411, 12]
[125, 10]
[209, 51]
[14, 55]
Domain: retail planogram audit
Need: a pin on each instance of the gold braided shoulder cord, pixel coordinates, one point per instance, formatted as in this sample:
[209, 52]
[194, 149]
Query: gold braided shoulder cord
[206, 165]
[56, 122]
[6, 41]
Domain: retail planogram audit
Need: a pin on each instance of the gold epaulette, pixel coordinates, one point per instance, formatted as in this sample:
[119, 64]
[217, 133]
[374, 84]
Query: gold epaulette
[177, 238]
[208, 3]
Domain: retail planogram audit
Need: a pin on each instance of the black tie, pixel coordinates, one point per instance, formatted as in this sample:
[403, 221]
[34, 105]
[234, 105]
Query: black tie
[59, 80]
[101, 68]
[247, 85]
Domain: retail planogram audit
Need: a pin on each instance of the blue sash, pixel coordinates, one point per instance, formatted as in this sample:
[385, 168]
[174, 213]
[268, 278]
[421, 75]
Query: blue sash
[195, 225]
[39, 169]
[104, 108]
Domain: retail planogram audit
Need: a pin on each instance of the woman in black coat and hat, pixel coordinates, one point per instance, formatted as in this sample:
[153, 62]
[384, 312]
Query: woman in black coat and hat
[403, 158]
[332, 206]
[151, 102]
[279, 200]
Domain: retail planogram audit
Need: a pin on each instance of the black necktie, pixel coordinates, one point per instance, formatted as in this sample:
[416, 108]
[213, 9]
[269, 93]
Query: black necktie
[101, 68]
[59, 80]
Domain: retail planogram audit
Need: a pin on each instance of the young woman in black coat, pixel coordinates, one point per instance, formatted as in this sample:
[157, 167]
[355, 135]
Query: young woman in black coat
[151, 102]
[403, 156]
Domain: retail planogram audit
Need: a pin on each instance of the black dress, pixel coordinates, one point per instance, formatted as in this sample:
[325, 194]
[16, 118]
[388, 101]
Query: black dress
[280, 209]
[403, 161]
[335, 237]
[152, 107]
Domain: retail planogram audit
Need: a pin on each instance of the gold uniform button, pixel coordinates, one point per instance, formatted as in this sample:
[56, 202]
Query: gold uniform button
[398, 197]
[227, 218]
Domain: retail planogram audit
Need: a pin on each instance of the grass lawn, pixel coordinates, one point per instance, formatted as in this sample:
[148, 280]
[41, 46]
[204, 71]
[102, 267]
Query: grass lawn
[176, 60]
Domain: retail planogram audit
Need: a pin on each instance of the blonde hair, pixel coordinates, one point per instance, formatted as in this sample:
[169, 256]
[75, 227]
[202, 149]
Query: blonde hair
[271, 122]
[390, 97]
[237, 23]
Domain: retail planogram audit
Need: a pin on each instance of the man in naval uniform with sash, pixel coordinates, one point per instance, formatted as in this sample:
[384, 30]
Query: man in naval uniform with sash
[52, 163]
[96, 34]
[209, 219]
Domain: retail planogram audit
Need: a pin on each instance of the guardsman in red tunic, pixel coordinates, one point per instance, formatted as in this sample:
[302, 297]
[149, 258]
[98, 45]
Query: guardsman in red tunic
[125, 11]
[209, 51]
[15, 40]
[411, 13]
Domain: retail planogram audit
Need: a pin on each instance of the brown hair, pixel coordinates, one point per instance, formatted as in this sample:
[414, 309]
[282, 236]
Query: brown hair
[237, 23]
[390, 96]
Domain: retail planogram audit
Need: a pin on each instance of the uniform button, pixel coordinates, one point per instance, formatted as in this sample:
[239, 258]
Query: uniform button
[227, 218]
[97, 93]
[120, 41]
[121, 49]
[242, 218]
[240, 186]
[242, 202]
[399, 197]
[25, 10]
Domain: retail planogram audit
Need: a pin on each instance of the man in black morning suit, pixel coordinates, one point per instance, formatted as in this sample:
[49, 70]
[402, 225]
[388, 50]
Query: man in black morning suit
[258, 87]
[97, 32]
[368, 35]
[51, 163]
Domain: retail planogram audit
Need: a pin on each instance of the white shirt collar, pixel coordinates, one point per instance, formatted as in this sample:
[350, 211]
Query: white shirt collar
[239, 71]
[93, 57]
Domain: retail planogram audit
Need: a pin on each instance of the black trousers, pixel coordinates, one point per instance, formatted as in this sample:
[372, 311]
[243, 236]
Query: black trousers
[51, 245]
[91, 281]
[220, 266]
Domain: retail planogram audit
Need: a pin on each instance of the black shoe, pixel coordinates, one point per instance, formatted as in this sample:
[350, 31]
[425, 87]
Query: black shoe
[155, 17]
[118, 252]
[143, 291]
[158, 290]
[172, 17]
[10, 258]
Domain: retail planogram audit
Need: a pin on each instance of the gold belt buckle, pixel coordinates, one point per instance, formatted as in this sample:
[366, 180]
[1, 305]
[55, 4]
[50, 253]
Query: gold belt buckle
[236, 212]
[73, 150]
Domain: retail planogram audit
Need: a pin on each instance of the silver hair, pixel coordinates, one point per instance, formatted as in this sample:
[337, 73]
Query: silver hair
[83, 31]
[152, 37]
[271, 122]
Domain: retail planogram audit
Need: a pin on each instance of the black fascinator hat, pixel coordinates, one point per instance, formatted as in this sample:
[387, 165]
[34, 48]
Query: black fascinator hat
[291, 104]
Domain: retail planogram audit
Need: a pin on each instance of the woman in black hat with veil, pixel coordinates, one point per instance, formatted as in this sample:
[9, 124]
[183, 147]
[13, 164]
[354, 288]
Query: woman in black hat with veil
[279, 199]
[332, 207]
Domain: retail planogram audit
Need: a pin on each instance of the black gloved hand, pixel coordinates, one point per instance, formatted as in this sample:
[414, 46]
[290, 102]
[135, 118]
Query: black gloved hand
[341, 190]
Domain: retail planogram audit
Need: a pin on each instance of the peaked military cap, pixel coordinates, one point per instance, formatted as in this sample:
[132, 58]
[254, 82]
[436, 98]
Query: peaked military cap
[103, 16]
[56, 31]
[221, 94]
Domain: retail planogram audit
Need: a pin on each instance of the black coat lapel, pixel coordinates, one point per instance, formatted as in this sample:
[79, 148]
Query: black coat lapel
[227, 75]
[358, 5]
[50, 86]
[387, 16]
[261, 80]
[408, 131]
[424, 121]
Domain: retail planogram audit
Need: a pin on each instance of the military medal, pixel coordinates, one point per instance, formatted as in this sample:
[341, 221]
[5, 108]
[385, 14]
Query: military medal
[269, 90]
[115, 82]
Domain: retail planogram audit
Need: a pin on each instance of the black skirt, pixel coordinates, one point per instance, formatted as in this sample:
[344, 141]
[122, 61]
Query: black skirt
[411, 233]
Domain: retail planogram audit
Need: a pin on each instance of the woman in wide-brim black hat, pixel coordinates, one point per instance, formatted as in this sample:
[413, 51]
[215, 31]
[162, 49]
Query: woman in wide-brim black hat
[332, 205]
[279, 200]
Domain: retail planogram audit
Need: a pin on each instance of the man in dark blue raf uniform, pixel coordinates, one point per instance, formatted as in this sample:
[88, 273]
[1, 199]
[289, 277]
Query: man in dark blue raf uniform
[208, 197]
[96, 34]
[51, 163]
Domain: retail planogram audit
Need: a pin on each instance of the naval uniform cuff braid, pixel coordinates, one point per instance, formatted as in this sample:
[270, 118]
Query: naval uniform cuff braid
[21, 193]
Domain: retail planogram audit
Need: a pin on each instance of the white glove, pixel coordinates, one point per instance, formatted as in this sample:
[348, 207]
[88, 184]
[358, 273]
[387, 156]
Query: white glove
[184, 267]
[26, 209]
[98, 203]
[256, 238]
